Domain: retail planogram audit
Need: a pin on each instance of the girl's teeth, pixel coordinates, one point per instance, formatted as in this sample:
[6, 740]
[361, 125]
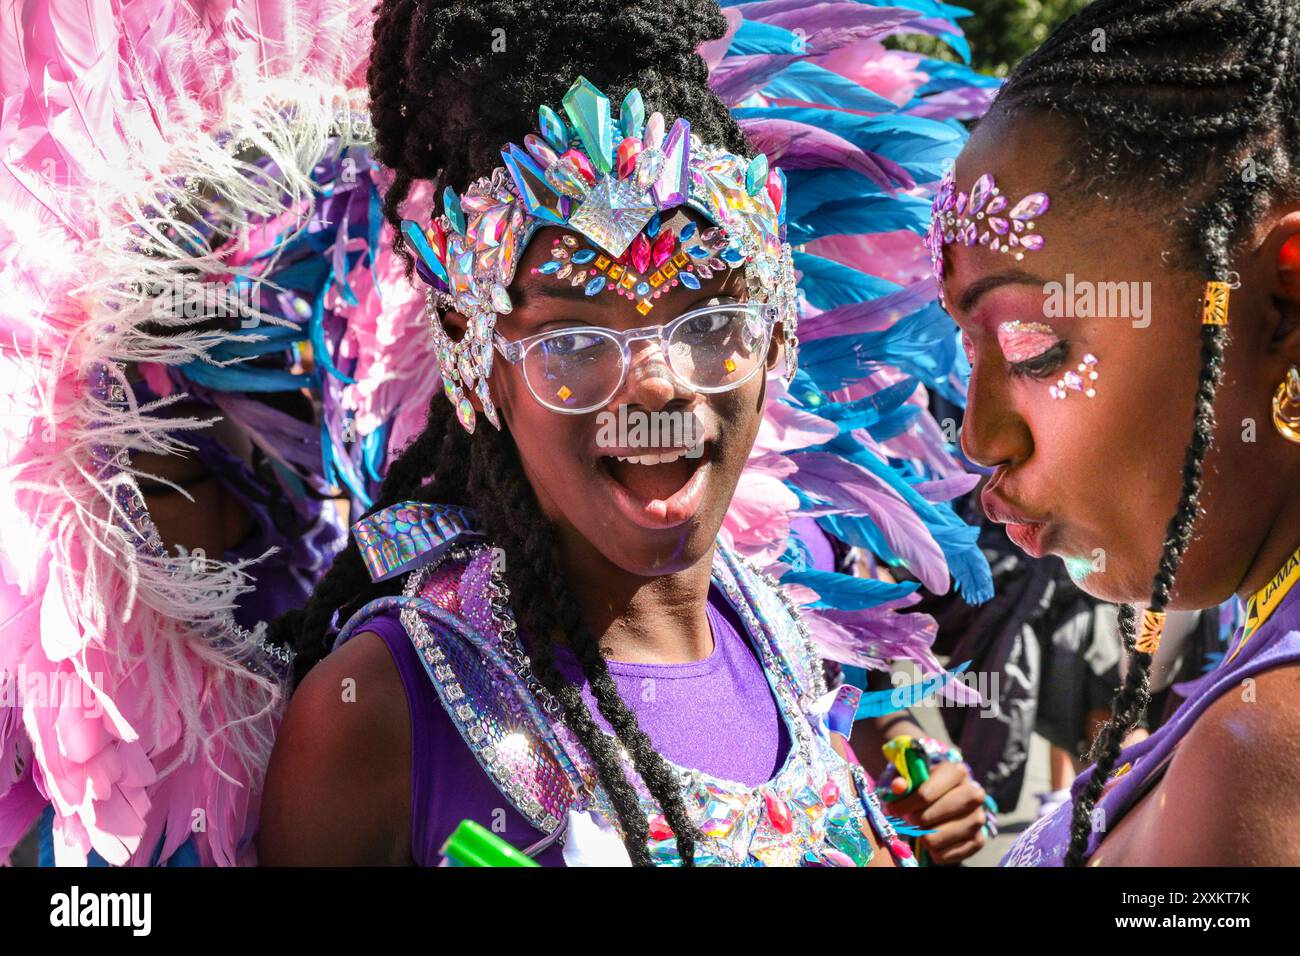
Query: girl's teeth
[654, 459]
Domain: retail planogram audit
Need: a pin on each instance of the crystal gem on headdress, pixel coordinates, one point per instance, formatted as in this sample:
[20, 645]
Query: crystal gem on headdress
[539, 198]
[671, 186]
[588, 111]
[628, 151]
[485, 397]
[612, 214]
[451, 209]
[564, 178]
[631, 114]
[756, 174]
[552, 127]
[540, 151]
[649, 162]
[578, 161]
[653, 136]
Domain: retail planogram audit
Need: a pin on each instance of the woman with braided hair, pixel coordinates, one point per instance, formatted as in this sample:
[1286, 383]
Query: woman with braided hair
[536, 625]
[1166, 135]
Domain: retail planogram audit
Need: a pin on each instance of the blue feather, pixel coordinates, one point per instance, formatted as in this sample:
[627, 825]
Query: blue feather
[845, 592]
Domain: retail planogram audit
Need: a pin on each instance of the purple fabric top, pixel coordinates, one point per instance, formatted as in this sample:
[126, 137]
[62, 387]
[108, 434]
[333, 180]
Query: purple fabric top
[1276, 643]
[716, 715]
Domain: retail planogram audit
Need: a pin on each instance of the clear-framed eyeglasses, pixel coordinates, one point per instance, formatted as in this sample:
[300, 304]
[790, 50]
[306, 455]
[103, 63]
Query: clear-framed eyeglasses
[579, 369]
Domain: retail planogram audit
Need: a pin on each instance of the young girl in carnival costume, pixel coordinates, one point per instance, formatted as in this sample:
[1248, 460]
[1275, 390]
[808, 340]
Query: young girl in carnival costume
[490, 553]
[1166, 136]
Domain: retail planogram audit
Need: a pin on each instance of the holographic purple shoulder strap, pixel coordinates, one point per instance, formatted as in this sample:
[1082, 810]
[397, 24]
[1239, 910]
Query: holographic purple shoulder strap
[456, 615]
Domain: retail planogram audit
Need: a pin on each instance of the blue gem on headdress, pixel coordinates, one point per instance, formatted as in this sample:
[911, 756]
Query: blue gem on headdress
[583, 256]
[652, 227]
[588, 110]
[631, 115]
[420, 243]
[612, 214]
[698, 252]
[595, 285]
[539, 198]
[689, 280]
[687, 232]
[733, 255]
[552, 127]
[451, 209]
[671, 187]
[642, 288]
[550, 266]
[756, 175]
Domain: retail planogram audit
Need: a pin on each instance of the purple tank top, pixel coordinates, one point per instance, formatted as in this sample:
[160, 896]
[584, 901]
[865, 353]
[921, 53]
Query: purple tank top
[715, 715]
[1277, 642]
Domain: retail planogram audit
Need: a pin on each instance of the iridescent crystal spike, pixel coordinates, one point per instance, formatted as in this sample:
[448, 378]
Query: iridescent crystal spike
[756, 175]
[589, 112]
[671, 187]
[631, 115]
[538, 196]
[552, 127]
[451, 209]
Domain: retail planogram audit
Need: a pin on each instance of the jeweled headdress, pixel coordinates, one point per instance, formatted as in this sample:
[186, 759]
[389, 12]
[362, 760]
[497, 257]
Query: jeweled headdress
[610, 182]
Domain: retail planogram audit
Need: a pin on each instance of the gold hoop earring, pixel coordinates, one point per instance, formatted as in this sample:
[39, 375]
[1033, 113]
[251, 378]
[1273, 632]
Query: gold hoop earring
[1286, 406]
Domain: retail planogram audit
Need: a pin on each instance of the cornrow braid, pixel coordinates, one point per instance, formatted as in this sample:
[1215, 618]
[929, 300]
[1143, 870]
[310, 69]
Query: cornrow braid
[1189, 89]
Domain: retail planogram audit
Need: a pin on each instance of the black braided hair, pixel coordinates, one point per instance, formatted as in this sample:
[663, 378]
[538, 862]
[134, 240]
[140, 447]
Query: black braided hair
[1185, 91]
[442, 105]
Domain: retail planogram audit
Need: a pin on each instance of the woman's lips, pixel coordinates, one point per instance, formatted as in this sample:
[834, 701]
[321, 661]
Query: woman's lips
[666, 509]
[1026, 532]
[1028, 537]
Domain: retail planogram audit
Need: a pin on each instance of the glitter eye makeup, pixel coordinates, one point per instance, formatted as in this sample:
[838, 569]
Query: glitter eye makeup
[1030, 344]
[1025, 341]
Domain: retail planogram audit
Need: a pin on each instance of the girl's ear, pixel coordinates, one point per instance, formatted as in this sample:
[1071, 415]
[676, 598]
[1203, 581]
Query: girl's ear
[1283, 251]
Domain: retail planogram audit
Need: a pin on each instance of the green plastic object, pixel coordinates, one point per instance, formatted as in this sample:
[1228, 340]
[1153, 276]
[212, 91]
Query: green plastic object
[473, 845]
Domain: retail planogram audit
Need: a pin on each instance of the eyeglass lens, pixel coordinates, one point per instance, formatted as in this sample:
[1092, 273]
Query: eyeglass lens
[711, 351]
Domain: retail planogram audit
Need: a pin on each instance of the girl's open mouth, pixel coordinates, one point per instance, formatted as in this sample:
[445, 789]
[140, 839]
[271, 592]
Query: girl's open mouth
[657, 487]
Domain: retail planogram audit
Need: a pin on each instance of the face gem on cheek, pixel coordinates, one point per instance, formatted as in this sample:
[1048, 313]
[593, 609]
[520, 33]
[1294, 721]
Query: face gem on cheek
[1084, 379]
[1023, 341]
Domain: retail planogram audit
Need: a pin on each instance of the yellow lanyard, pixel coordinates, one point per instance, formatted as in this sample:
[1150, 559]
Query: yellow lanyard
[1265, 601]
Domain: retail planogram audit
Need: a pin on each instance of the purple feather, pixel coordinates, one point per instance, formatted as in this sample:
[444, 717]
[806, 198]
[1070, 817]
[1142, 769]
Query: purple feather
[794, 145]
[850, 489]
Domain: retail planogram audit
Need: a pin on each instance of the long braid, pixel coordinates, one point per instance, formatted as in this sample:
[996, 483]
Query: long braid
[1189, 88]
[544, 604]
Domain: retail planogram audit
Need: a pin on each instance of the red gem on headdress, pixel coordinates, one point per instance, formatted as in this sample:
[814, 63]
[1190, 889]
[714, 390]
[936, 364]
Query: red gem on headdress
[437, 239]
[628, 151]
[663, 248]
[582, 164]
[774, 189]
[641, 253]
